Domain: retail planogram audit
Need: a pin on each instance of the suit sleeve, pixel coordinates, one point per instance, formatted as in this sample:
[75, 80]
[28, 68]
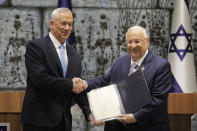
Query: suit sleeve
[37, 74]
[82, 101]
[159, 92]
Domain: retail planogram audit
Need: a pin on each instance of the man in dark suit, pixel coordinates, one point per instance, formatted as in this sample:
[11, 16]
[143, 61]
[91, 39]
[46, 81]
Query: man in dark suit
[51, 67]
[157, 71]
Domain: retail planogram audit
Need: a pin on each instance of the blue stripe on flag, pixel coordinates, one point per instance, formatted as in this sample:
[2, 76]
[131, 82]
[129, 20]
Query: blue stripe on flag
[175, 86]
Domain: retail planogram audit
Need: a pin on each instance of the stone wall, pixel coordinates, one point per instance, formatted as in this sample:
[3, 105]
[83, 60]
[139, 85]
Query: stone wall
[99, 26]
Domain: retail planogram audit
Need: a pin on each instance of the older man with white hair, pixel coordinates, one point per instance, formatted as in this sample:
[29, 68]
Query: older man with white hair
[157, 72]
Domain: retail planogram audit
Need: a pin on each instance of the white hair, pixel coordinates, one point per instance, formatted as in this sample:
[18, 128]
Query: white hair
[56, 12]
[138, 28]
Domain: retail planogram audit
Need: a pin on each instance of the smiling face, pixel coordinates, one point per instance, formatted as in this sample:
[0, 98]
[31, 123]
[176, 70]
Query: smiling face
[137, 43]
[61, 26]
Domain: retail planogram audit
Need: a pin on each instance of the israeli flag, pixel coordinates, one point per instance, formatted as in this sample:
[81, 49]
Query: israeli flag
[180, 53]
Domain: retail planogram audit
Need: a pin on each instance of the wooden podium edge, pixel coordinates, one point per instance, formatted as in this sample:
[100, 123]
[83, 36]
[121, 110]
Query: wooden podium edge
[178, 103]
[182, 103]
[11, 101]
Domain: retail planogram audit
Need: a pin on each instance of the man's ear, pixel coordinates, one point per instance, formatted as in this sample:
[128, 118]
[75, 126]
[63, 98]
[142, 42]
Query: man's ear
[51, 23]
[148, 41]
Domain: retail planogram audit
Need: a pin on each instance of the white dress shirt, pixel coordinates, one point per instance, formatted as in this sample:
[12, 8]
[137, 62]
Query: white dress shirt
[139, 62]
[56, 43]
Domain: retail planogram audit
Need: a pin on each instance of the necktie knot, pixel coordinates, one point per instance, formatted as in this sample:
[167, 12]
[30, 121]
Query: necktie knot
[133, 68]
[61, 47]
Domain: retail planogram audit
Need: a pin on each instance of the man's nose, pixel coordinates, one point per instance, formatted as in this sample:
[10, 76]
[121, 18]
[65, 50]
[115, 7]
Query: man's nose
[133, 45]
[66, 27]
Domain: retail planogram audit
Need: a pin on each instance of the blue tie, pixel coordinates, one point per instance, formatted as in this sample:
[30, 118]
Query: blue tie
[63, 59]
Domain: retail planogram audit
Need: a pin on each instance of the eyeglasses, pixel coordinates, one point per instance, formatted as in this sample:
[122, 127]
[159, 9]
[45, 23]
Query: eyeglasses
[135, 41]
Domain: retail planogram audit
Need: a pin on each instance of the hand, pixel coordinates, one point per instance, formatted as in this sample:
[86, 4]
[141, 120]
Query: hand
[77, 86]
[84, 83]
[96, 123]
[127, 118]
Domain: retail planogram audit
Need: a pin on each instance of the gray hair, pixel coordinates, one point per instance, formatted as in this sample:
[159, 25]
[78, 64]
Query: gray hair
[56, 12]
[139, 28]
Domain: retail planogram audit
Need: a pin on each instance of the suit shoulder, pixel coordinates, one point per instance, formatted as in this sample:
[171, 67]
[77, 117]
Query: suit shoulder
[71, 49]
[159, 58]
[159, 61]
[119, 61]
[39, 41]
[122, 58]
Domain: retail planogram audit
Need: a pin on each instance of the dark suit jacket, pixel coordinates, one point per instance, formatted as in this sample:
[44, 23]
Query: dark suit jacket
[157, 71]
[48, 95]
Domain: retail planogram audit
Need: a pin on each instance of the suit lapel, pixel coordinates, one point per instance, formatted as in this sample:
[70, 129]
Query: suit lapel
[146, 60]
[69, 55]
[127, 65]
[54, 55]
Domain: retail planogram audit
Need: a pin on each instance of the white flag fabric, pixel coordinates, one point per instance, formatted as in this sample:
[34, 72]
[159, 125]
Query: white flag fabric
[180, 53]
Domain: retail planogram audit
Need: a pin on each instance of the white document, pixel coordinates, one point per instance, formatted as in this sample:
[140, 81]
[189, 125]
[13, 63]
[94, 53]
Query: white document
[105, 103]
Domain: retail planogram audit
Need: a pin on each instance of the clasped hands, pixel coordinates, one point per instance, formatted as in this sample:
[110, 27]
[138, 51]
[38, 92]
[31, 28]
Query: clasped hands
[79, 85]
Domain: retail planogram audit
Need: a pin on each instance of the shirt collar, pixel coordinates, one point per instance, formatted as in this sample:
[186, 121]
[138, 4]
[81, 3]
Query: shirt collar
[139, 61]
[56, 43]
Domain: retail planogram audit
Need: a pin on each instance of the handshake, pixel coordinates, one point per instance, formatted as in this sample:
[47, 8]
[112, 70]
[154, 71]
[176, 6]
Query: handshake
[79, 85]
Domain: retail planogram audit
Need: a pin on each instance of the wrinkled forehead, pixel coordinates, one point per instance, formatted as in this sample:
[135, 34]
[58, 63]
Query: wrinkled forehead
[64, 17]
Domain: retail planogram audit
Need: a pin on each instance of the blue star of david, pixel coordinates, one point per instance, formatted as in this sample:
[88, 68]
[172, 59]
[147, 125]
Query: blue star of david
[181, 52]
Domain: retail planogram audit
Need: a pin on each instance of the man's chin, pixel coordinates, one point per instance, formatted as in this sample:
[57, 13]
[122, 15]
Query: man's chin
[65, 37]
[134, 55]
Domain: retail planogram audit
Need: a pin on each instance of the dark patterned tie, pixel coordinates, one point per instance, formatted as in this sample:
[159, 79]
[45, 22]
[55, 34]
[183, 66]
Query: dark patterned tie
[133, 68]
